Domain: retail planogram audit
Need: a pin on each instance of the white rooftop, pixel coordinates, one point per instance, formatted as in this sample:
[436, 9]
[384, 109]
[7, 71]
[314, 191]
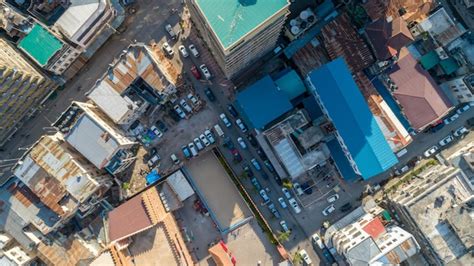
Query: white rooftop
[289, 158]
[180, 185]
[79, 14]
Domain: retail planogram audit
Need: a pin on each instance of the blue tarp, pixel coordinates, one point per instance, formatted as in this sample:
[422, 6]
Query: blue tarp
[352, 118]
[152, 177]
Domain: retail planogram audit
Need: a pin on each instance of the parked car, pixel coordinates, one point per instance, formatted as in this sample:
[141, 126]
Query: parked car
[256, 164]
[430, 151]
[193, 99]
[153, 160]
[195, 72]
[186, 152]
[333, 198]
[284, 226]
[241, 125]
[185, 105]
[448, 139]
[193, 50]
[252, 140]
[162, 126]
[269, 166]
[274, 211]
[198, 144]
[175, 159]
[298, 189]
[328, 210]
[282, 202]
[210, 136]
[210, 95]
[232, 110]
[218, 130]
[248, 171]
[156, 131]
[261, 154]
[204, 140]
[241, 142]
[170, 31]
[192, 148]
[167, 48]
[264, 195]
[402, 170]
[183, 51]
[463, 109]
[460, 131]
[286, 192]
[205, 71]
[305, 257]
[451, 119]
[236, 154]
[316, 239]
[225, 120]
[346, 207]
[228, 143]
[328, 256]
[179, 111]
[294, 205]
[256, 184]
[437, 127]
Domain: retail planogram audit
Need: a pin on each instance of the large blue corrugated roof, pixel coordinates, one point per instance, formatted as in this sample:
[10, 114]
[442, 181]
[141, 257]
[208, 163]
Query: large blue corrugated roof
[262, 103]
[352, 118]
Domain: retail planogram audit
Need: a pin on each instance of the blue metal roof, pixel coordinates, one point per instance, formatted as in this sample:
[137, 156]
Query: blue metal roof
[262, 103]
[290, 83]
[342, 163]
[352, 118]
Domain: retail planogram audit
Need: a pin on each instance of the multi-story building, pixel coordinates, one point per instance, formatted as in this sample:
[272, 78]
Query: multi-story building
[239, 33]
[61, 178]
[93, 134]
[458, 89]
[84, 20]
[437, 208]
[364, 237]
[23, 88]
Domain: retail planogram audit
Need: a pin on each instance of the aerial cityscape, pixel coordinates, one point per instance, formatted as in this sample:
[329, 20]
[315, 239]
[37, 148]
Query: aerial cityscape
[236, 132]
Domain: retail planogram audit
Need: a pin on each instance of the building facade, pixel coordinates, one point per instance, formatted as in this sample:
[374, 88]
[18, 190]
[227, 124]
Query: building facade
[236, 34]
[23, 88]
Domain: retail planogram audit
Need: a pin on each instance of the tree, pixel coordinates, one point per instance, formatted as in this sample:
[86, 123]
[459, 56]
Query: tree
[297, 258]
[283, 236]
[287, 183]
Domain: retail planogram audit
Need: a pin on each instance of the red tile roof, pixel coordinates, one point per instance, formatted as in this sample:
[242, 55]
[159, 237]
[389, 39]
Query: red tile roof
[420, 97]
[374, 228]
[388, 38]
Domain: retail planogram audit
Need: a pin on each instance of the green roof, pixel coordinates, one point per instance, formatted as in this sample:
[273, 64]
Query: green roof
[40, 44]
[449, 65]
[291, 84]
[429, 60]
[232, 19]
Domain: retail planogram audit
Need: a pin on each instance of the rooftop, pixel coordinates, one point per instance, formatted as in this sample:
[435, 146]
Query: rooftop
[388, 38]
[231, 20]
[260, 113]
[352, 118]
[291, 84]
[422, 100]
[40, 44]
[441, 27]
[78, 14]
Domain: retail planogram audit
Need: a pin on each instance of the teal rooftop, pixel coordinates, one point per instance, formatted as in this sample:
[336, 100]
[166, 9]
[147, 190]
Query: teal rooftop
[40, 44]
[233, 19]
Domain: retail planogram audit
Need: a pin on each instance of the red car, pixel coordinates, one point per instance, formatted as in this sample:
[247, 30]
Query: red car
[236, 154]
[196, 72]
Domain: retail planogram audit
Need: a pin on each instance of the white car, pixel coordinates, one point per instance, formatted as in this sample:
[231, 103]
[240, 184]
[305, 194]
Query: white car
[286, 192]
[175, 159]
[446, 141]
[209, 136]
[156, 131]
[241, 142]
[460, 131]
[298, 189]
[185, 105]
[153, 160]
[430, 151]
[205, 71]
[198, 144]
[225, 120]
[170, 31]
[333, 198]
[167, 48]
[183, 51]
[241, 125]
[179, 111]
[284, 226]
[451, 119]
[305, 257]
[193, 50]
[328, 210]
[204, 140]
[282, 203]
[193, 99]
[294, 205]
[316, 239]
[264, 195]
[193, 150]
[463, 109]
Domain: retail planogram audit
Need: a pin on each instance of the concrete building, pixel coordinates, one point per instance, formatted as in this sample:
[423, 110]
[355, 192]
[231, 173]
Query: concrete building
[23, 88]
[47, 50]
[83, 20]
[141, 76]
[437, 207]
[61, 178]
[364, 237]
[96, 137]
[238, 33]
[458, 89]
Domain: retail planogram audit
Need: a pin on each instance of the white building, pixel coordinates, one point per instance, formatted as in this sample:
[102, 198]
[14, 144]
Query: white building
[459, 89]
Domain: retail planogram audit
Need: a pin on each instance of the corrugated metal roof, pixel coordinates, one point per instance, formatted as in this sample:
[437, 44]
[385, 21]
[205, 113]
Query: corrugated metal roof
[291, 84]
[180, 185]
[110, 101]
[351, 116]
[78, 14]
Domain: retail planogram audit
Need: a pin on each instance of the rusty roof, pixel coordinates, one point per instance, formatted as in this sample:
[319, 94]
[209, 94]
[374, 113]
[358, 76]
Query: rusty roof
[415, 10]
[388, 37]
[70, 252]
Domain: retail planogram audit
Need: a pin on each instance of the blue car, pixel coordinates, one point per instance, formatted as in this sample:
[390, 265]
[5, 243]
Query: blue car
[186, 152]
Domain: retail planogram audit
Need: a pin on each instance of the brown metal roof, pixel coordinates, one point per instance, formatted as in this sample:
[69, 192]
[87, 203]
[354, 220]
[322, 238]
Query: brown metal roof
[415, 10]
[388, 38]
[420, 97]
